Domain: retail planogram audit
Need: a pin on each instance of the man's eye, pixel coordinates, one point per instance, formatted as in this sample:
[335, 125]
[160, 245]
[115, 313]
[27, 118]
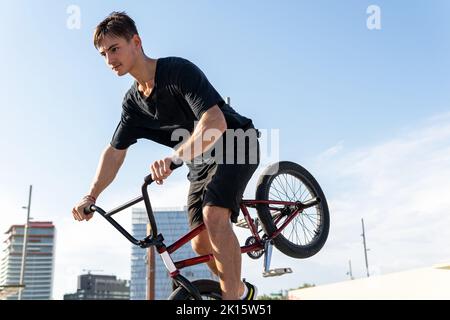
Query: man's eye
[114, 49]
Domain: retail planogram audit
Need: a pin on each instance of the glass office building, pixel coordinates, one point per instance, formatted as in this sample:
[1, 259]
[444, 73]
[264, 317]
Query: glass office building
[39, 262]
[172, 223]
[138, 279]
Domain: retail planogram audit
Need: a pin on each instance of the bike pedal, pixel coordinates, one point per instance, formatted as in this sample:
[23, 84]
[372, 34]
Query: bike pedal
[276, 272]
[242, 224]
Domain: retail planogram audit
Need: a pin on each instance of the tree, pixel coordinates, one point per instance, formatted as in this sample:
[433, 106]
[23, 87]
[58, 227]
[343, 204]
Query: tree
[282, 294]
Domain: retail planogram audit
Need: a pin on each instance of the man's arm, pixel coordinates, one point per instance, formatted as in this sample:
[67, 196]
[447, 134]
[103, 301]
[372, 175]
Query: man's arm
[109, 164]
[211, 126]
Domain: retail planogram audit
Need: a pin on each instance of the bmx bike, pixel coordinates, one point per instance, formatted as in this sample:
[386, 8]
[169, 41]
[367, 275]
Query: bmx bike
[292, 215]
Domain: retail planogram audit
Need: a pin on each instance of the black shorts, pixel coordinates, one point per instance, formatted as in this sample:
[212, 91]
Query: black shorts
[221, 183]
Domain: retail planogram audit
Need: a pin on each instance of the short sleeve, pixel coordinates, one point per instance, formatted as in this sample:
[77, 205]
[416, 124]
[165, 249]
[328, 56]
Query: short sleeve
[124, 135]
[197, 90]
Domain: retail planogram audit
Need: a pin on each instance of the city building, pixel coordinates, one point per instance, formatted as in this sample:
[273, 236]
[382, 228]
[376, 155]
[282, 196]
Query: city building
[39, 261]
[172, 224]
[138, 278]
[100, 287]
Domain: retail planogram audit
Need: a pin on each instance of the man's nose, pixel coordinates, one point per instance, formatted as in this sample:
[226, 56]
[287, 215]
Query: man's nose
[108, 60]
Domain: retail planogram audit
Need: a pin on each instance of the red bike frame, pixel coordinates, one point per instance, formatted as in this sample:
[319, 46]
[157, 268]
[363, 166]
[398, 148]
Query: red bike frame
[258, 245]
[155, 239]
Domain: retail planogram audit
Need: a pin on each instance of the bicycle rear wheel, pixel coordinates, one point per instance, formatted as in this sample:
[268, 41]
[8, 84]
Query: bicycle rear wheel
[306, 234]
[209, 290]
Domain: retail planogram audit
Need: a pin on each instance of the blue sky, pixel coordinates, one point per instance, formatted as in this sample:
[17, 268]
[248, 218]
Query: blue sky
[338, 92]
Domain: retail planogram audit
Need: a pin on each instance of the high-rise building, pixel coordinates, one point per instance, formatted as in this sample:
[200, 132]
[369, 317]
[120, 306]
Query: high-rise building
[39, 262]
[100, 287]
[138, 279]
[172, 224]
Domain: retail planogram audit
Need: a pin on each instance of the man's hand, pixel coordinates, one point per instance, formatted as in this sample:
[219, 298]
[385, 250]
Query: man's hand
[161, 169]
[78, 210]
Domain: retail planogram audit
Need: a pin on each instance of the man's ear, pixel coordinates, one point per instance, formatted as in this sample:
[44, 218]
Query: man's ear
[137, 41]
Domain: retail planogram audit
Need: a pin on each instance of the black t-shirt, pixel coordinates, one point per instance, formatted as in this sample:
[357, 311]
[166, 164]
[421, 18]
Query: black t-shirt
[180, 96]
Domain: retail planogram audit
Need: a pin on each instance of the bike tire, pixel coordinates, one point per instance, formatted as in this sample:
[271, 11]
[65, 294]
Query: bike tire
[283, 242]
[208, 289]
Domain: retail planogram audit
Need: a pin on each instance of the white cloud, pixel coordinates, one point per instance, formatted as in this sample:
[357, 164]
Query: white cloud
[332, 151]
[400, 187]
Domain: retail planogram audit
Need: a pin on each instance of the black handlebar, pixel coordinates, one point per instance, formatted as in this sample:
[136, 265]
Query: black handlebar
[147, 181]
[89, 210]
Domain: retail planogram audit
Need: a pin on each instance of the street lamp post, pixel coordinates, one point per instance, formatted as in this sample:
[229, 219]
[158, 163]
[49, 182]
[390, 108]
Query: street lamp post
[365, 248]
[25, 243]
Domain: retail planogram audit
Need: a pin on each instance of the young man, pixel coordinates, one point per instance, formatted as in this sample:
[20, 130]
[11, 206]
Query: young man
[169, 96]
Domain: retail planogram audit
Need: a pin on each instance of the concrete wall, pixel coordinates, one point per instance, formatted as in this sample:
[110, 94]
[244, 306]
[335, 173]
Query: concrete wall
[423, 284]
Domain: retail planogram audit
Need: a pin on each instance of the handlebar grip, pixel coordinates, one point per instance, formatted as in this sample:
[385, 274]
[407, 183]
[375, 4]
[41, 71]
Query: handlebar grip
[174, 165]
[89, 210]
[149, 179]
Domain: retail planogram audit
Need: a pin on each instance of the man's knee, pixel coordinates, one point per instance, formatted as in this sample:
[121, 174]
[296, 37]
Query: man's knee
[199, 248]
[216, 217]
[201, 243]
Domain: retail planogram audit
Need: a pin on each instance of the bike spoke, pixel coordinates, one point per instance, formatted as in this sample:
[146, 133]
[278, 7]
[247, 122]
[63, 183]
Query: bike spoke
[304, 228]
[294, 189]
[280, 196]
[281, 187]
[292, 230]
[307, 229]
[304, 232]
[299, 189]
[294, 184]
[301, 195]
[285, 178]
[310, 217]
[296, 232]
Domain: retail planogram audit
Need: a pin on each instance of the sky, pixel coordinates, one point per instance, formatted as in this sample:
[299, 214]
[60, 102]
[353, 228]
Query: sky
[366, 111]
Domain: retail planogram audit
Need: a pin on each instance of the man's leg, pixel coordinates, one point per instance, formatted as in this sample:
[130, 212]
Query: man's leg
[226, 250]
[202, 246]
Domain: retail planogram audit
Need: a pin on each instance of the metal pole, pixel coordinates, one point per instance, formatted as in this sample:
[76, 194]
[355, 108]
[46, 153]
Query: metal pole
[350, 273]
[365, 249]
[25, 244]
[150, 270]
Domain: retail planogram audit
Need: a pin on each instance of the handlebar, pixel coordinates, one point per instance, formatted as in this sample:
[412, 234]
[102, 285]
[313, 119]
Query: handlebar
[89, 210]
[147, 181]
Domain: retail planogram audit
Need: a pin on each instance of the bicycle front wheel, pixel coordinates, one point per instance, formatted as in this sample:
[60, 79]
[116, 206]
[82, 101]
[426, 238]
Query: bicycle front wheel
[209, 290]
[306, 234]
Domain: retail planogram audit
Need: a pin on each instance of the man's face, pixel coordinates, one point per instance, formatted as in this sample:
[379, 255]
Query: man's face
[120, 55]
